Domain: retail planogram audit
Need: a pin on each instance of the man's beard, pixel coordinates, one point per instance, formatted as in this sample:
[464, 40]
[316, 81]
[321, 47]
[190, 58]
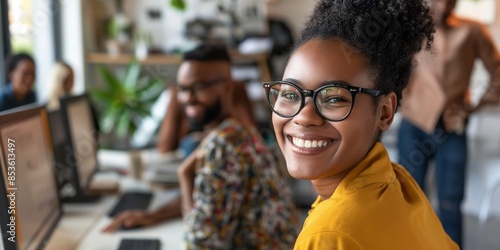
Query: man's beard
[211, 113]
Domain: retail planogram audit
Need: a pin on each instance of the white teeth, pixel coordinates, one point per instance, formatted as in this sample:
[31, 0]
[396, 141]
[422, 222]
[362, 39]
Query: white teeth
[301, 143]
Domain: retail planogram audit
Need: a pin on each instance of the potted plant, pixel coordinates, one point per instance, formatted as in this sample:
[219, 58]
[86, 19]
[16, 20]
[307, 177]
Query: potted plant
[118, 31]
[126, 100]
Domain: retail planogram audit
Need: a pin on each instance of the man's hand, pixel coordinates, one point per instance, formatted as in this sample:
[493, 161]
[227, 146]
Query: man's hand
[129, 219]
[454, 118]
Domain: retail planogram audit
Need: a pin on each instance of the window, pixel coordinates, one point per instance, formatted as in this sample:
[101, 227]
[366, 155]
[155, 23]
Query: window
[21, 26]
[479, 10]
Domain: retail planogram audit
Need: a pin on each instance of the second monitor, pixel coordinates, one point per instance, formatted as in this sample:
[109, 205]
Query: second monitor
[74, 135]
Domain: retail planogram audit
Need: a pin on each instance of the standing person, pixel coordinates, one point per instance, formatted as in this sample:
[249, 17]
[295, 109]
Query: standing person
[233, 193]
[436, 106]
[60, 84]
[339, 92]
[20, 76]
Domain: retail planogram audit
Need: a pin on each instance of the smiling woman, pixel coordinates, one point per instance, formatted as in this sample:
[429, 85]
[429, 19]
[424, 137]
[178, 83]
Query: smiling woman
[340, 90]
[21, 76]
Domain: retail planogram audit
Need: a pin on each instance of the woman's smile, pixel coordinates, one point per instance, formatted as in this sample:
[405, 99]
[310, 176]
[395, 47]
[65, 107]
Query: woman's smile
[309, 145]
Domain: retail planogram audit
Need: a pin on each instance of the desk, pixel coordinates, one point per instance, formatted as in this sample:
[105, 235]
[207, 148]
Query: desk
[81, 225]
[170, 233]
[77, 221]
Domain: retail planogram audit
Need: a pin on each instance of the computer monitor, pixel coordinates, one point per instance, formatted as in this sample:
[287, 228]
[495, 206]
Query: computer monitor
[29, 203]
[74, 135]
[65, 164]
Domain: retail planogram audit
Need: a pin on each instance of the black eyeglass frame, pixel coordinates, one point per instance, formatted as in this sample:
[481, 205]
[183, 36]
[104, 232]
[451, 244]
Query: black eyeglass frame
[313, 93]
[196, 87]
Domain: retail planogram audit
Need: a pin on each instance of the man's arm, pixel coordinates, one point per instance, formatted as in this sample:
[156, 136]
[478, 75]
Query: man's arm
[490, 56]
[174, 125]
[136, 218]
[186, 173]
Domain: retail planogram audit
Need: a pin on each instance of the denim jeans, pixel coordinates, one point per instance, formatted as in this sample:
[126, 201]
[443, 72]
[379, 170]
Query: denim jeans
[449, 150]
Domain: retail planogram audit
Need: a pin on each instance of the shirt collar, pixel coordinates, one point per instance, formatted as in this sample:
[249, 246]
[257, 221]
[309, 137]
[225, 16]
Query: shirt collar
[376, 167]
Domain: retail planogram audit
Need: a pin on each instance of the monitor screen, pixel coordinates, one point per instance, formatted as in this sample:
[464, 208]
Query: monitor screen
[80, 121]
[65, 165]
[29, 200]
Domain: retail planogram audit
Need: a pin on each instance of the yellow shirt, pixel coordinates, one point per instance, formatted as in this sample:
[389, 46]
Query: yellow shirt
[377, 205]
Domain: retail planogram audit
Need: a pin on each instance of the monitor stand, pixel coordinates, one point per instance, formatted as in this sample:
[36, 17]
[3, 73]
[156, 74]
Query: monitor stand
[71, 194]
[96, 189]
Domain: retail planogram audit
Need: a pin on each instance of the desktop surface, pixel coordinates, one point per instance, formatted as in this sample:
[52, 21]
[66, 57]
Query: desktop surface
[82, 224]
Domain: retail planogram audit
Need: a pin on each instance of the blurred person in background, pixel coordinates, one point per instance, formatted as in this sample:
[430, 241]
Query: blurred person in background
[60, 84]
[436, 105]
[233, 193]
[20, 79]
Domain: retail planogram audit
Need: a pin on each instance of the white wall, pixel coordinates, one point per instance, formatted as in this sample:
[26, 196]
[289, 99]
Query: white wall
[43, 45]
[72, 40]
[294, 12]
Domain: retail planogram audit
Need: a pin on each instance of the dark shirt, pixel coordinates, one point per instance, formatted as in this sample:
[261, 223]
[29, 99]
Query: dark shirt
[9, 101]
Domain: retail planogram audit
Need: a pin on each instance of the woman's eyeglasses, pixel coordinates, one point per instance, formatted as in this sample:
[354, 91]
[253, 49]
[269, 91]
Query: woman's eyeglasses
[198, 88]
[333, 102]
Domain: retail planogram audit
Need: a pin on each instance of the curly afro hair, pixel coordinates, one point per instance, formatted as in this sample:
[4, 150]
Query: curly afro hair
[386, 32]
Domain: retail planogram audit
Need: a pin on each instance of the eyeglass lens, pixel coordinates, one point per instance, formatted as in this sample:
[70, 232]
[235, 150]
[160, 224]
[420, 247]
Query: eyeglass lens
[332, 102]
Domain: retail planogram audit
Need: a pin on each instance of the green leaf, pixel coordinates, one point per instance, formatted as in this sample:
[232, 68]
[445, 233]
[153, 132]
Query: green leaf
[153, 83]
[132, 74]
[178, 4]
[122, 128]
[111, 80]
[150, 99]
[102, 95]
[112, 28]
[143, 111]
[109, 120]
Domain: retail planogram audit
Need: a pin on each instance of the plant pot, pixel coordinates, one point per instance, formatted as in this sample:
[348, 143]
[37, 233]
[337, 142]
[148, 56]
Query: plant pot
[115, 47]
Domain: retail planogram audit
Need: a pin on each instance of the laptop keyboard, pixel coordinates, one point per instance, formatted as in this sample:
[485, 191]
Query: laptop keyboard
[131, 201]
[139, 244]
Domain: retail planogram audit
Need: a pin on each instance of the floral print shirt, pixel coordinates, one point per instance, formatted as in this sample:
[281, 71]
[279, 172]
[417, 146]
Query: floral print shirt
[241, 197]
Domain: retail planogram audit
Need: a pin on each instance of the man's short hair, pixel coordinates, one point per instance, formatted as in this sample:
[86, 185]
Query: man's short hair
[208, 52]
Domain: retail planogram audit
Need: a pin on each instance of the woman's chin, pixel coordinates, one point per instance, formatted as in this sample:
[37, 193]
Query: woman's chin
[301, 173]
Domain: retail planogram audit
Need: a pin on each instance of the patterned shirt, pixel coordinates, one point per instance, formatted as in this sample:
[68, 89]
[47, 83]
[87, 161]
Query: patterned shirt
[241, 197]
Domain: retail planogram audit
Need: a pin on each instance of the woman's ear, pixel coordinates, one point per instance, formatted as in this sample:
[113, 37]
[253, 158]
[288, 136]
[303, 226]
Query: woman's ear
[387, 108]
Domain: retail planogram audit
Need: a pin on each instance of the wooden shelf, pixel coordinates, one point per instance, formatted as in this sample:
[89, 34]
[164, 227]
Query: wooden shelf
[164, 59]
[104, 58]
